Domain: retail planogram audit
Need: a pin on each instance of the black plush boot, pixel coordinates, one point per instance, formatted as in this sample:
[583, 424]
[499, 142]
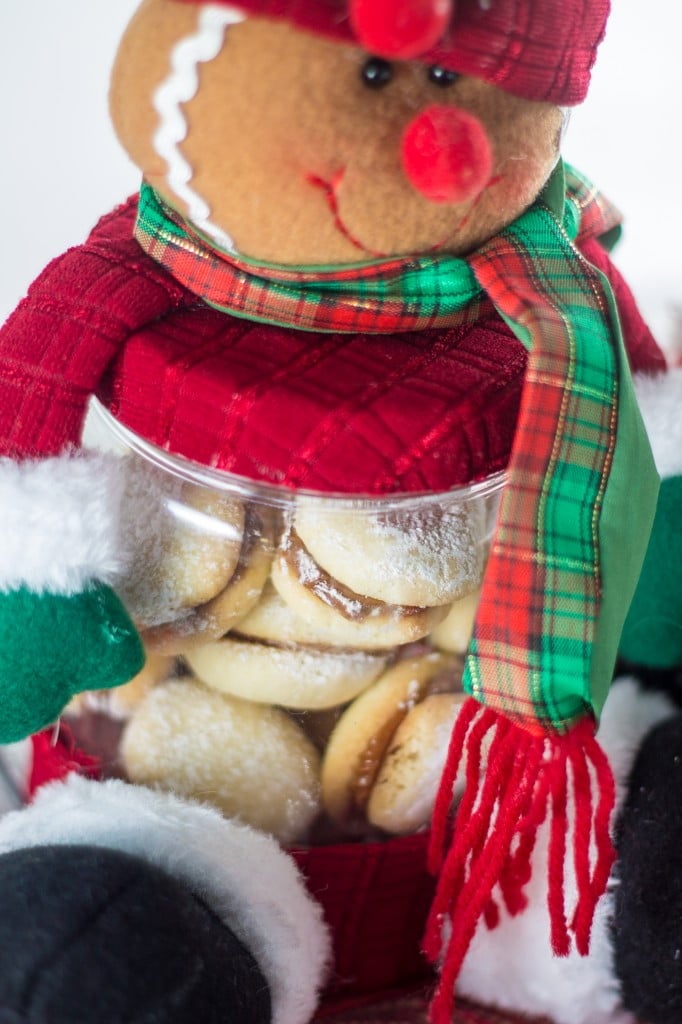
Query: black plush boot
[648, 902]
[96, 936]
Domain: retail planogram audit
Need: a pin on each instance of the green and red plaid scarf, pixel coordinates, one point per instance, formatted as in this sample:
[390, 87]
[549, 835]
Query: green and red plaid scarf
[580, 450]
[570, 538]
[558, 567]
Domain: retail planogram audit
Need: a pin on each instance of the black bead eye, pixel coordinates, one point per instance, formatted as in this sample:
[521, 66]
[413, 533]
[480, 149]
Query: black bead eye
[376, 73]
[442, 76]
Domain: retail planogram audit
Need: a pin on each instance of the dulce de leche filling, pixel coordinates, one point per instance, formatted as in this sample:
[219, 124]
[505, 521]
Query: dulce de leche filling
[367, 766]
[369, 762]
[353, 606]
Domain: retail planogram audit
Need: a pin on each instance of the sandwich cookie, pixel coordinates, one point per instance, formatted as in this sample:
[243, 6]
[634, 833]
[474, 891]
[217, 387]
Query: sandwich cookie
[303, 678]
[314, 623]
[419, 556]
[184, 545]
[216, 617]
[453, 634]
[345, 616]
[121, 701]
[249, 760]
[385, 756]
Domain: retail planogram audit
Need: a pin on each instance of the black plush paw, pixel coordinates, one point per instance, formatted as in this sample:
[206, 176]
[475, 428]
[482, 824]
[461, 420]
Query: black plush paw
[94, 935]
[648, 903]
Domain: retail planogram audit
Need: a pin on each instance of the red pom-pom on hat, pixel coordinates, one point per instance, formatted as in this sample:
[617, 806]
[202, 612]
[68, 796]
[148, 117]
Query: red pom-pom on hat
[401, 29]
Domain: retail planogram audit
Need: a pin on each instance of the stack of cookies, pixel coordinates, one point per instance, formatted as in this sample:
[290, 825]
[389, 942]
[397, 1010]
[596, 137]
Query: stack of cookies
[316, 650]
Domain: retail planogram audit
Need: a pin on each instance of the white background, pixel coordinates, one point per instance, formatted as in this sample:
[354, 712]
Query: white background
[60, 166]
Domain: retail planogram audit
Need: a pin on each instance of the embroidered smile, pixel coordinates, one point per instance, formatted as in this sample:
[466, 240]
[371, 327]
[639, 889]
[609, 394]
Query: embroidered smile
[329, 190]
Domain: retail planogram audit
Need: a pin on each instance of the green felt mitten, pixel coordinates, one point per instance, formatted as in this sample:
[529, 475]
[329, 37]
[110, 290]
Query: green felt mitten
[53, 646]
[653, 629]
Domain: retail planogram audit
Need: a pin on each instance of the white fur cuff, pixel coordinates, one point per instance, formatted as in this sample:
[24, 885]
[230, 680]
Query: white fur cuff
[59, 520]
[660, 400]
[243, 875]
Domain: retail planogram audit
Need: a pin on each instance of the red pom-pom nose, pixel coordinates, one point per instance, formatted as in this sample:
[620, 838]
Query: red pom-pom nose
[401, 29]
[446, 154]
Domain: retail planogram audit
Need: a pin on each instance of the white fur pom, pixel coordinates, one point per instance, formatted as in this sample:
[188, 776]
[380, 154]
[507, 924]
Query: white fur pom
[243, 875]
[59, 522]
[513, 966]
[660, 400]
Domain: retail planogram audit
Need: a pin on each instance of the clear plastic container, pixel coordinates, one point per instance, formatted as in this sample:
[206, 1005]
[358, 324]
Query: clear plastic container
[305, 650]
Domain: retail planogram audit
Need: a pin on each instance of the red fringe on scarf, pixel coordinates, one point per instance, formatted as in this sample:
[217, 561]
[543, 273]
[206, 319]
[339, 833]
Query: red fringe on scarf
[491, 845]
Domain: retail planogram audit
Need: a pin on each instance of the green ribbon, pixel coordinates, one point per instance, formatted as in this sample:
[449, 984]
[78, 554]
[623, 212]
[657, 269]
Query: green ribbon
[595, 492]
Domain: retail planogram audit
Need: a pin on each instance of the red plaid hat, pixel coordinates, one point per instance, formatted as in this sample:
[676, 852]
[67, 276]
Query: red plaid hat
[537, 49]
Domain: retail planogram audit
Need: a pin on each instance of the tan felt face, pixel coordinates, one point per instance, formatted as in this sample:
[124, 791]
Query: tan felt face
[299, 160]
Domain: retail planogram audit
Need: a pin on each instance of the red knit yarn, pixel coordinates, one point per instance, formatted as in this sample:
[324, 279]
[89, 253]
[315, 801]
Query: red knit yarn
[581, 845]
[495, 831]
[518, 869]
[466, 715]
[561, 942]
[605, 854]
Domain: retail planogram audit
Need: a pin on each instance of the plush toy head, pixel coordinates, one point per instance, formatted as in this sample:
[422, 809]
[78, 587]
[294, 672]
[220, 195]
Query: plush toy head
[293, 134]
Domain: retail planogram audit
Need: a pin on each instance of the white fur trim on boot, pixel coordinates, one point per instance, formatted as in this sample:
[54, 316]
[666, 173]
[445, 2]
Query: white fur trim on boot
[513, 966]
[660, 400]
[59, 520]
[243, 875]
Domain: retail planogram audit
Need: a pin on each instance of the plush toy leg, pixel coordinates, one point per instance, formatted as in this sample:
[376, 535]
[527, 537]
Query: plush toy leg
[512, 966]
[648, 901]
[121, 904]
[89, 933]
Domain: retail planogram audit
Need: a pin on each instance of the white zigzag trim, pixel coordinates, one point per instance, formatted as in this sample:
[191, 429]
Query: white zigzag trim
[179, 87]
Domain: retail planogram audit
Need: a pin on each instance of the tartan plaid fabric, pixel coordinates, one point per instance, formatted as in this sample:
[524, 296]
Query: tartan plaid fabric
[537, 653]
[376, 297]
[561, 574]
[592, 214]
[539, 50]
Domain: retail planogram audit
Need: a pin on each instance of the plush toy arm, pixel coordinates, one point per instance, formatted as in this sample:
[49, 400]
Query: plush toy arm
[644, 354]
[652, 635]
[57, 346]
[62, 628]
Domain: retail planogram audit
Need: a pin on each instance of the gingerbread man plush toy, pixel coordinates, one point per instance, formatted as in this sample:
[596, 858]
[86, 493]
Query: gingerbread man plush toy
[363, 439]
